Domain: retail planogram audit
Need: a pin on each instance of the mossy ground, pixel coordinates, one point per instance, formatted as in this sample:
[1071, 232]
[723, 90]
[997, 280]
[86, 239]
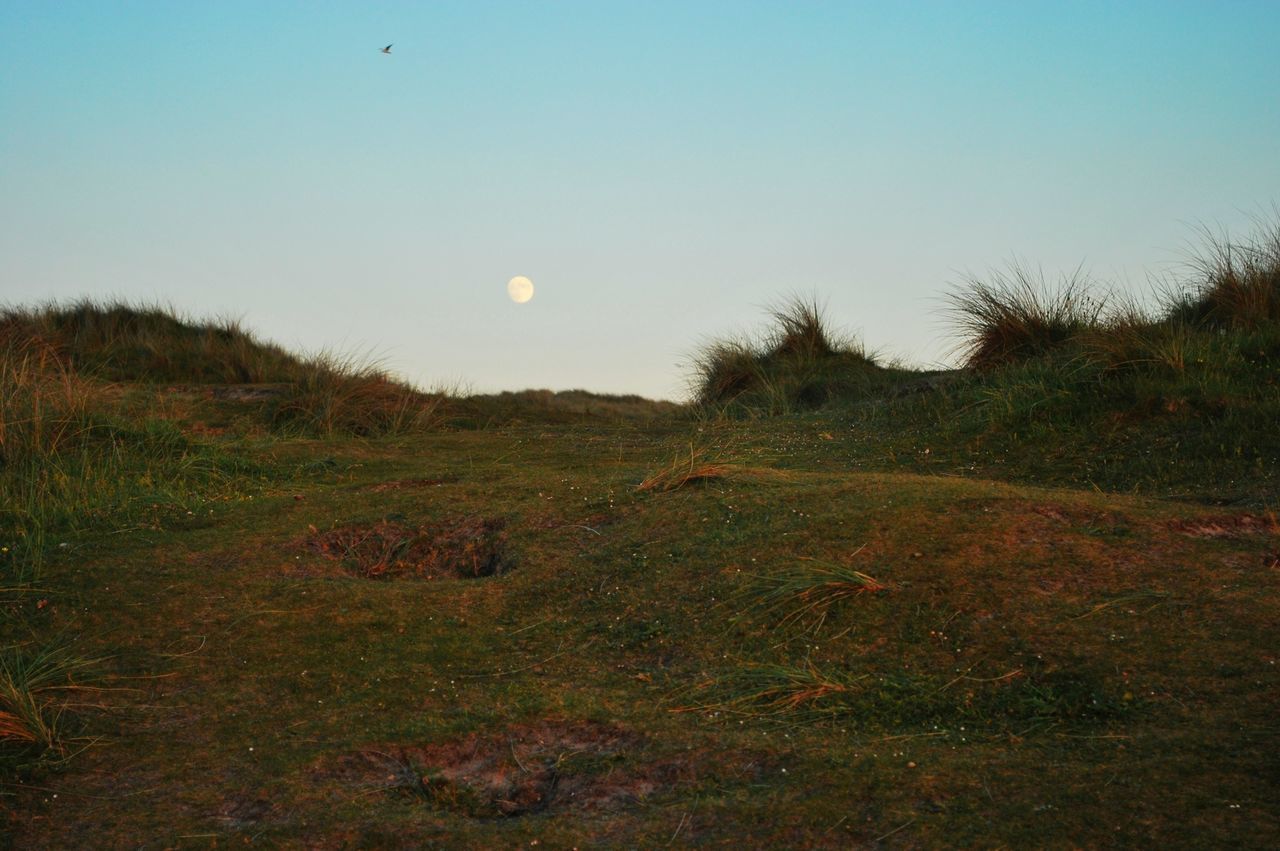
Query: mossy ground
[1048, 665]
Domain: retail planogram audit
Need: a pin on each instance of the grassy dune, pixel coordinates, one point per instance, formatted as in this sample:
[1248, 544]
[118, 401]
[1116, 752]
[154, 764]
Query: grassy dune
[830, 603]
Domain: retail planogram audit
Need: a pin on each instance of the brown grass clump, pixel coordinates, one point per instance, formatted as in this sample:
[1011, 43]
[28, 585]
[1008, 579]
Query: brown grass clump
[36, 688]
[467, 548]
[724, 370]
[807, 591]
[697, 468]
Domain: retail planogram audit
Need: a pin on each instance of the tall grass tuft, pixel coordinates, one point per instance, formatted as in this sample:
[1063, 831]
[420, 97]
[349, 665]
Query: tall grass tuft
[699, 466]
[36, 689]
[801, 331]
[1016, 315]
[1238, 286]
[43, 402]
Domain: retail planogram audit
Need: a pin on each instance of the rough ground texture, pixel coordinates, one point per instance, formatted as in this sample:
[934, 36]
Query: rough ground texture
[1042, 667]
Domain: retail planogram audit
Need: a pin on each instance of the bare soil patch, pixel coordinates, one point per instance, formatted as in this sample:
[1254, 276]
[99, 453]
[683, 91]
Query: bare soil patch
[546, 766]
[1227, 526]
[466, 548]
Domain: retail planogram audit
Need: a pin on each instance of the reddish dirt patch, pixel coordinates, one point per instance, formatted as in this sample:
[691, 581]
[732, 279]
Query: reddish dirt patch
[467, 548]
[403, 484]
[1227, 526]
[552, 765]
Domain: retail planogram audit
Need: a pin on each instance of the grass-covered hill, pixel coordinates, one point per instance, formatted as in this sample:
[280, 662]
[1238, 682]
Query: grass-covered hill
[1061, 382]
[257, 598]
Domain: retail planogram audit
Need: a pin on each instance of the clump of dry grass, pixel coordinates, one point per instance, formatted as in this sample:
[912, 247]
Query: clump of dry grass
[697, 467]
[36, 689]
[1016, 315]
[796, 692]
[807, 591]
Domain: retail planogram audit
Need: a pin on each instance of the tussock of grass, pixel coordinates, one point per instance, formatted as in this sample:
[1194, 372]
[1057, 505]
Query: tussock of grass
[698, 467]
[801, 331]
[765, 690]
[806, 591]
[1238, 284]
[1015, 315]
[35, 688]
[799, 364]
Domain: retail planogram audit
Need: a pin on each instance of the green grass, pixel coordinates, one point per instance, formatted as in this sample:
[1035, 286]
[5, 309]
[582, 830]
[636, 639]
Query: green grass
[1042, 641]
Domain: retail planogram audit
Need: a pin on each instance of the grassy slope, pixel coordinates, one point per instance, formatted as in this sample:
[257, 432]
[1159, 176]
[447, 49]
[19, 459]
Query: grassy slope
[1049, 666]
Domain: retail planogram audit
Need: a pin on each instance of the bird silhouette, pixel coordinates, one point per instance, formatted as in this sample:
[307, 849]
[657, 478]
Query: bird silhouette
[386, 49]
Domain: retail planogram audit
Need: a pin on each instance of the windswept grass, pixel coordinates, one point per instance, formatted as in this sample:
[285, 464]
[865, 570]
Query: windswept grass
[333, 395]
[806, 592]
[120, 341]
[801, 331]
[876, 700]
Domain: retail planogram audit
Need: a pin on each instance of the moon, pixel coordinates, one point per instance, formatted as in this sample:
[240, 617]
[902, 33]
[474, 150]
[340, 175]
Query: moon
[520, 289]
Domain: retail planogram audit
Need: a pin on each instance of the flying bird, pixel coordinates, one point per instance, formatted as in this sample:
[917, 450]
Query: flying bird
[386, 49]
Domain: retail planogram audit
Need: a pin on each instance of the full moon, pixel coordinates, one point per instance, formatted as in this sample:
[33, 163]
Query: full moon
[520, 289]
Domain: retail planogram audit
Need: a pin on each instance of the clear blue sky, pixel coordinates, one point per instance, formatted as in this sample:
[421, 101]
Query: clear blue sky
[660, 170]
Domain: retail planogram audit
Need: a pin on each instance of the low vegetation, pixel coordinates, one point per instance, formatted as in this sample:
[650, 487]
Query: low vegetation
[800, 364]
[831, 603]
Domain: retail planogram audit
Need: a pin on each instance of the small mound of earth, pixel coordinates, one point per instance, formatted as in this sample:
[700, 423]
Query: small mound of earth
[1227, 526]
[549, 766]
[467, 548]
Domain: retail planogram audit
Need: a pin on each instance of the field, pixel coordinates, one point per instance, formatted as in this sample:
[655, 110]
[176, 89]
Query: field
[287, 602]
